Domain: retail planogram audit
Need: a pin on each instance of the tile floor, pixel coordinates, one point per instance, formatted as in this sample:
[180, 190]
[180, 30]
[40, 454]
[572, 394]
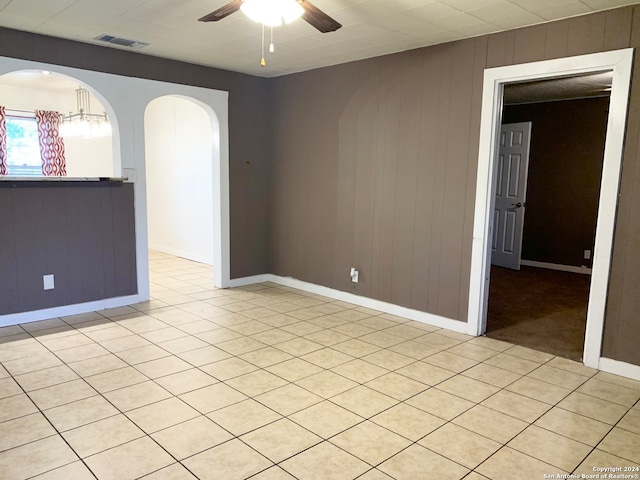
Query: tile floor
[272, 383]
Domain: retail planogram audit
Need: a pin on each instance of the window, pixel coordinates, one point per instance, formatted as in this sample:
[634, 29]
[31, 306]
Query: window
[23, 147]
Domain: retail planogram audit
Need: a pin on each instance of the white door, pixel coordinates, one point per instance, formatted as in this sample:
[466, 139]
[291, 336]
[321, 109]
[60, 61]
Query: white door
[511, 189]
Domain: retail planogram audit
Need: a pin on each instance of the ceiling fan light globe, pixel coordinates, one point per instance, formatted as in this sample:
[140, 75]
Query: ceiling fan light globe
[272, 12]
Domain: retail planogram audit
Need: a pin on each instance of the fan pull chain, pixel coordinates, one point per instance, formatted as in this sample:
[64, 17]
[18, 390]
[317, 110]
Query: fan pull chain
[262, 61]
[271, 47]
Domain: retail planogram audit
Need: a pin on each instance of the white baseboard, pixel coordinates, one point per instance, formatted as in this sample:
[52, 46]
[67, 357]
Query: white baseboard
[241, 282]
[556, 266]
[620, 368]
[393, 309]
[54, 312]
[181, 253]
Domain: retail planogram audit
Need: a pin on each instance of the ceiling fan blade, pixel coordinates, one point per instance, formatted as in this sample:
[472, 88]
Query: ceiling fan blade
[317, 18]
[222, 12]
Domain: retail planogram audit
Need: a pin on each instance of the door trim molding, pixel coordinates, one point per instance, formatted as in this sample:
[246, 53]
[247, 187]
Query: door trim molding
[620, 62]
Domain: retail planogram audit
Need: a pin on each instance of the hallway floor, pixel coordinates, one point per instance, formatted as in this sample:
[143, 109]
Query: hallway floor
[273, 383]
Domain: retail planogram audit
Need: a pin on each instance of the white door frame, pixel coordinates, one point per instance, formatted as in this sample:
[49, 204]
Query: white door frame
[620, 62]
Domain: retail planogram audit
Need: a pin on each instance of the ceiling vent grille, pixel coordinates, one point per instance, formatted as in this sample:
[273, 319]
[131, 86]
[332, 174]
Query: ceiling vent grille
[123, 42]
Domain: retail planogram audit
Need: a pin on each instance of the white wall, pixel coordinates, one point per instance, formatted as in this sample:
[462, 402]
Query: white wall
[178, 145]
[85, 157]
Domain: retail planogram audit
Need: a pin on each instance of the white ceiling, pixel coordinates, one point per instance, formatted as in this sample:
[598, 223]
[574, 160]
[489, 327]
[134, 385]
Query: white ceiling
[370, 27]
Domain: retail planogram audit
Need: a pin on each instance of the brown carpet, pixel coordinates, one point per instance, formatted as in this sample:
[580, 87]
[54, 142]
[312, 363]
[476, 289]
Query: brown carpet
[538, 308]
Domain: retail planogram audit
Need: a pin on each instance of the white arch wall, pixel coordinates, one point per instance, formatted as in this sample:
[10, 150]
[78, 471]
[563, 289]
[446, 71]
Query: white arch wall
[125, 100]
[178, 145]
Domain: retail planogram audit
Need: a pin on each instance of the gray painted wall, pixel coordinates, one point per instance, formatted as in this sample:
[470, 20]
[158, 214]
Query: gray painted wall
[565, 169]
[81, 232]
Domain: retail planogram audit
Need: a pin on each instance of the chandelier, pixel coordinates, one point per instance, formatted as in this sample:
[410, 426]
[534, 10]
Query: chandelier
[83, 123]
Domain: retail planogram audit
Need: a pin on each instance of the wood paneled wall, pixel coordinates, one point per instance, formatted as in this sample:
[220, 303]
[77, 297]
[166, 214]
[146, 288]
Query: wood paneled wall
[81, 232]
[375, 167]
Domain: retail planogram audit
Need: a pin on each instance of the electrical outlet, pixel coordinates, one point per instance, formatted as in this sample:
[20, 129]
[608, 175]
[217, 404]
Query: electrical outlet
[587, 254]
[354, 275]
[48, 282]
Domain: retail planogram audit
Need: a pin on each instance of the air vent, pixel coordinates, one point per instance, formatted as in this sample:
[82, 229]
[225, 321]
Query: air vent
[123, 42]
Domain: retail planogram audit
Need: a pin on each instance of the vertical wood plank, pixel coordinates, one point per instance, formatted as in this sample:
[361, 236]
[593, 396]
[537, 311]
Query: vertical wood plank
[586, 34]
[9, 299]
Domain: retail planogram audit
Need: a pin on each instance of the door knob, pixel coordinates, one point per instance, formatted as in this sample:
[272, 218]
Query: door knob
[517, 205]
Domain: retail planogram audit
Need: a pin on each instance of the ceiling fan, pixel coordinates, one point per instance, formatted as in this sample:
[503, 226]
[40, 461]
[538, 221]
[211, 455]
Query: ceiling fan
[310, 13]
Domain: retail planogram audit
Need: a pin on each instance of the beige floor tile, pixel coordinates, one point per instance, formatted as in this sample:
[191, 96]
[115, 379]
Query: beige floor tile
[280, 320]
[599, 459]
[356, 348]
[326, 419]
[173, 472]
[494, 425]
[622, 443]
[129, 461]
[550, 448]
[460, 445]
[574, 426]
[359, 371]
[273, 473]
[543, 391]
[81, 412]
[266, 357]
[256, 383]
[364, 401]
[69, 341]
[32, 363]
[109, 333]
[46, 378]
[163, 366]
[491, 343]
[513, 363]
[214, 397]
[382, 339]
[294, 369]
[353, 330]
[273, 337]
[35, 458]
[593, 407]
[162, 414]
[71, 471]
[495, 376]
[244, 416]
[299, 346]
[388, 359]
[559, 377]
[397, 386]
[440, 404]
[191, 437]
[234, 458]
[327, 358]
[425, 373]
[450, 361]
[415, 460]
[616, 379]
[405, 331]
[611, 392]
[508, 462]
[204, 356]
[142, 354]
[519, 406]
[631, 421]
[468, 388]
[529, 354]
[19, 431]
[184, 344]
[475, 476]
[9, 387]
[228, 368]
[220, 335]
[250, 327]
[375, 474]
[325, 461]
[370, 442]
[326, 384]
[102, 435]
[94, 366]
[408, 421]
[241, 345]
[186, 381]
[327, 337]
[288, 399]
[116, 379]
[131, 342]
[137, 395]
[57, 395]
[141, 324]
[473, 352]
[413, 349]
[81, 353]
[571, 366]
[281, 440]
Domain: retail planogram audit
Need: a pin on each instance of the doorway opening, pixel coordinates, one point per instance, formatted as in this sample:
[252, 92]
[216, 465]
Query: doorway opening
[548, 178]
[619, 64]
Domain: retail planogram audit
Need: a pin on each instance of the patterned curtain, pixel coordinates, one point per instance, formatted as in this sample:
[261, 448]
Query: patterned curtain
[4, 169]
[51, 144]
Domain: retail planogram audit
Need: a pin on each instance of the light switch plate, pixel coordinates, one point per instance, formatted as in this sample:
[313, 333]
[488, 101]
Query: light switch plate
[48, 282]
